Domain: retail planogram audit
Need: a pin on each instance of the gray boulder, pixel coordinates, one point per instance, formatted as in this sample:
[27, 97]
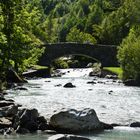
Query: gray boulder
[67, 137]
[77, 121]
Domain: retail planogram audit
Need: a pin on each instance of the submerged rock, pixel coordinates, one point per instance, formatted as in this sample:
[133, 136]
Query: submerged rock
[69, 85]
[73, 121]
[21, 88]
[91, 82]
[67, 137]
[58, 85]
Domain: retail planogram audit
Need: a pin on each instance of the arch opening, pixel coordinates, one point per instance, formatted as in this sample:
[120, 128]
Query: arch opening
[74, 61]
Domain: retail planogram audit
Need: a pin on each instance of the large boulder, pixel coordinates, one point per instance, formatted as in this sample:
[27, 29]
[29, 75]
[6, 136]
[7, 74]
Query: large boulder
[73, 121]
[67, 137]
[27, 119]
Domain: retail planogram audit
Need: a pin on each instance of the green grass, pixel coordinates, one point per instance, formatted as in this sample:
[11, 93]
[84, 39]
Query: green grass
[116, 70]
[38, 67]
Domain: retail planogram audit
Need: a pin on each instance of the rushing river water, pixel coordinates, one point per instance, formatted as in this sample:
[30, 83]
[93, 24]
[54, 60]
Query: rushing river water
[112, 101]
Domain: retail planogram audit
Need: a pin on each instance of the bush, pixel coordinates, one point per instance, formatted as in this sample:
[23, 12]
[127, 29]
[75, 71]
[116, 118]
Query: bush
[60, 64]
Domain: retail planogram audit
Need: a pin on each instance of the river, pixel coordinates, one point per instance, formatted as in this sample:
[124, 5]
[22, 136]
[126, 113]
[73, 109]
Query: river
[112, 101]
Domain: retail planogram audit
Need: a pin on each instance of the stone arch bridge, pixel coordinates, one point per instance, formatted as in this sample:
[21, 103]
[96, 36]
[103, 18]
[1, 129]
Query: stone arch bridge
[106, 54]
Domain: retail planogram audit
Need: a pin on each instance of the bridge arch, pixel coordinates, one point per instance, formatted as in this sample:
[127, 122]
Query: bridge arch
[106, 54]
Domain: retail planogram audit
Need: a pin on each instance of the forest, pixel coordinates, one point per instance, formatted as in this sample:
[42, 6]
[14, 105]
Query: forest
[26, 24]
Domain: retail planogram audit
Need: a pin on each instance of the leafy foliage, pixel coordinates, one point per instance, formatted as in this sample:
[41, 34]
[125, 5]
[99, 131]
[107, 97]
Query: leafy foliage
[25, 24]
[128, 55]
[18, 40]
[76, 36]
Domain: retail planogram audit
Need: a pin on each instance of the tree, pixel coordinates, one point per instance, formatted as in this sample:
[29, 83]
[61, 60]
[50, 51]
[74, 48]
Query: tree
[128, 55]
[117, 24]
[20, 42]
[75, 35]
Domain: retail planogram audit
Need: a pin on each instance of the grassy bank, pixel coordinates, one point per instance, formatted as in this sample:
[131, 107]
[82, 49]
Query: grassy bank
[38, 67]
[116, 70]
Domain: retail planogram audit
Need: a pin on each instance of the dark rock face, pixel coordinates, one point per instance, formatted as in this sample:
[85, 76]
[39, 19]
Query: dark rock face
[73, 121]
[135, 124]
[28, 120]
[67, 137]
[13, 77]
[131, 82]
[38, 73]
[69, 85]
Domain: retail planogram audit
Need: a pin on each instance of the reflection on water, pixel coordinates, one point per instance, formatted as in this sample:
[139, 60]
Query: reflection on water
[119, 133]
[121, 105]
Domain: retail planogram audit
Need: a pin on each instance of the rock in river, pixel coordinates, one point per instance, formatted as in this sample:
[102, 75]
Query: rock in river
[69, 85]
[135, 124]
[73, 121]
[67, 137]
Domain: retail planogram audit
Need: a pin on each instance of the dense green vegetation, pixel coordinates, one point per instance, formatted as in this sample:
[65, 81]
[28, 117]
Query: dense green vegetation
[74, 61]
[129, 55]
[19, 25]
[25, 24]
[116, 70]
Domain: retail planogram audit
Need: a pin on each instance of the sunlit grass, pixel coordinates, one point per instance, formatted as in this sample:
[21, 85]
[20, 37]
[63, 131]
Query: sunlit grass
[38, 67]
[116, 70]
